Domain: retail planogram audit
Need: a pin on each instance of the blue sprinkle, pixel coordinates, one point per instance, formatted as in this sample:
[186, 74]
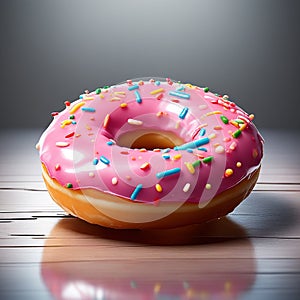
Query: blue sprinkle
[202, 149]
[74, 122]
[189, 150]
[88, 109]
[183, 113]
[81, 96]
[138, 97]
[166, 150]
[193, 144]
[104, 160]
[95, 161]
[110, 143]
[168, 173]
[180, 94]
[202, 132]
[157, 82]
[180, 88]
[133, 87]
[136, 191]
[166, 156]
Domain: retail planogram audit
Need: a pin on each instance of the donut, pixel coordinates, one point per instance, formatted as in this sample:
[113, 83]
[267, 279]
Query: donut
[151, 153]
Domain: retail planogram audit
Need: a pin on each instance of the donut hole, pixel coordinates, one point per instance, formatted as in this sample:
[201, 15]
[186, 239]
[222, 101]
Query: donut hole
[149, 140]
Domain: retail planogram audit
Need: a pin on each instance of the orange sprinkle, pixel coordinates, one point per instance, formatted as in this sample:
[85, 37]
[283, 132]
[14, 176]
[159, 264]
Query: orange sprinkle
[242, 127]
[143, 150]
[145, 166]
[158, 188]
[232, 122]
[228, 172]
[106, 120]
[123, 105]
[251, 117]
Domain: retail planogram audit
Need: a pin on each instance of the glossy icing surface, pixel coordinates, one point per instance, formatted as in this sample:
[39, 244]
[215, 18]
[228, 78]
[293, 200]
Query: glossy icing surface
[221, 144]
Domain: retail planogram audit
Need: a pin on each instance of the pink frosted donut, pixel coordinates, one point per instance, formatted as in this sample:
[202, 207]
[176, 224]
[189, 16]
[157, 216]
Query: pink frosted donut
[150, 154]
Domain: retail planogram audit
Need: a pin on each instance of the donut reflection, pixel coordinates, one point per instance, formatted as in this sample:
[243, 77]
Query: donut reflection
[83, 261]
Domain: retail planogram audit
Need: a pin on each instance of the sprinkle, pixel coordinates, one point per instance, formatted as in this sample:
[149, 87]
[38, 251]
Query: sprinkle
[67, 103]
[142, 150]
[72, 117]
[186, 187]
[166, 156]
[189, 150]
[54, 113]
[206, 89]
[167, 150]
[114, 180]
[180, 94]
[104, 160]
[227, 139]
[216, 112]
[193, 144]
[110, 143]
[236, 133]
[159, 114]
[183, 113]
[91, 174]
[123, 105]
[225, 97]
[70, 134]
[157, 82]
[88, 109]
[76, 107]
[158, 188]
[177, 124]
[138, 97]
[228, 172]
[203, 106]
[106, 120]
[238, 164]
[218, 127]
[98, 91]
[136, 191]
[145, 166]
[254, 153]
[202, 149]
[212, 136]
[65, 122]
[219, 149]
[129, 82]
[202, 132]
[232, 145]
[95, 161]
[208, 186]
[69, 185]
[207, 159]
[190, 167]
[251, 117]
[62, 144]
[133, 87]
[244, 126]
[224, 119]
[88, 98]
[134, 122]
[159, 97]
[176, 157]
[234, 123]
[115, 99]
[168, 173]
[141, 82]
[181, 88]
[154, 92]
[57, 167]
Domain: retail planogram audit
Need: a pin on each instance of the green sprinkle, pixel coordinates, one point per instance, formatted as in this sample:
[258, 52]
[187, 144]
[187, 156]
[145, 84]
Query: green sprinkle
[207, 159]
[196, 163]
[106, 87]
[206, 89]
[239, 121]
[72, 117]
[69, 185]
[98, 91]
[237, 133]
[224, 119]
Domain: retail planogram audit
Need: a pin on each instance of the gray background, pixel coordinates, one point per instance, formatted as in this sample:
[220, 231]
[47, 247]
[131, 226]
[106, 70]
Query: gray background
[51, 51]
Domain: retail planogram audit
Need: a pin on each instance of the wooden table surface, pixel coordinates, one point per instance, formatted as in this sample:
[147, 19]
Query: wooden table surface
[254, 253]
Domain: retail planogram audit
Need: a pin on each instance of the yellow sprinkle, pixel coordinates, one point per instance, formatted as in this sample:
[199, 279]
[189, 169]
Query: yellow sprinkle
[216, 112]
[123, 105]
[228, 172]
[208, 186]
[88, 98]
[157, 288]
[189, 85]
[65, 122]
[232, 122]
[242, 127]
[115, 99]
[158, 188]
[176, 157]
[190, 167]
[238, 164]
[106, 120]
[120, 93]
[101, 96]
[76, 107]
[251, 117]
[154, 92]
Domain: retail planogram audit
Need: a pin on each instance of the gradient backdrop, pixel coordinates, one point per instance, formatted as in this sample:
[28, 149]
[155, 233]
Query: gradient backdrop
[52, 50]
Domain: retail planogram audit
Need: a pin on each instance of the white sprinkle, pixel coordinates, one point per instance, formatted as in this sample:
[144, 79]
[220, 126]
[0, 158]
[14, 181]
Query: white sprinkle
[203, 106]
[37, 146]
[220, 149]
[91, 174]
[62, 144]
[212, 136]
[186, 187]
[134, 122]
[114, 180]
[226, 97]
[208, 186]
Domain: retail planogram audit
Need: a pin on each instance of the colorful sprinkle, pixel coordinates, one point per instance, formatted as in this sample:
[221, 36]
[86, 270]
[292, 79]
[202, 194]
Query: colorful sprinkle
[206, 89]
[238, 164]
[65, 122]
[133, 87]
[157, 82]
[123, 105]
[57, 167]
[176, 157]
[254, 153]
[134, 122]
[216, 112]
[136, 191]
[183, 113]
[202, 131]
[186, 188]
[202, 149]
[69, 185]
[76, 107]
[208, 186]
[180, 94]
[62, 144]
[110, 143]
[98, 91]
[67, 103]
[88, 109]
[145, 166]
[158, 188]
[236, 133]
[95, 161]
[154, 92]
[219, 149]
[207, 159]
[159, 97]
[228, 172]
[232, 145]
[104, 160]
[190, 167]
[168, 173]
[138, 97]
[224, 119]
[166, 156]
[106, 120]
[193, 144]
[54, 113]
[114, 180]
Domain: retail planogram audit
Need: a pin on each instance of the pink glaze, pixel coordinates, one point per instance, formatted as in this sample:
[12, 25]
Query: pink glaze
[72, 152]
